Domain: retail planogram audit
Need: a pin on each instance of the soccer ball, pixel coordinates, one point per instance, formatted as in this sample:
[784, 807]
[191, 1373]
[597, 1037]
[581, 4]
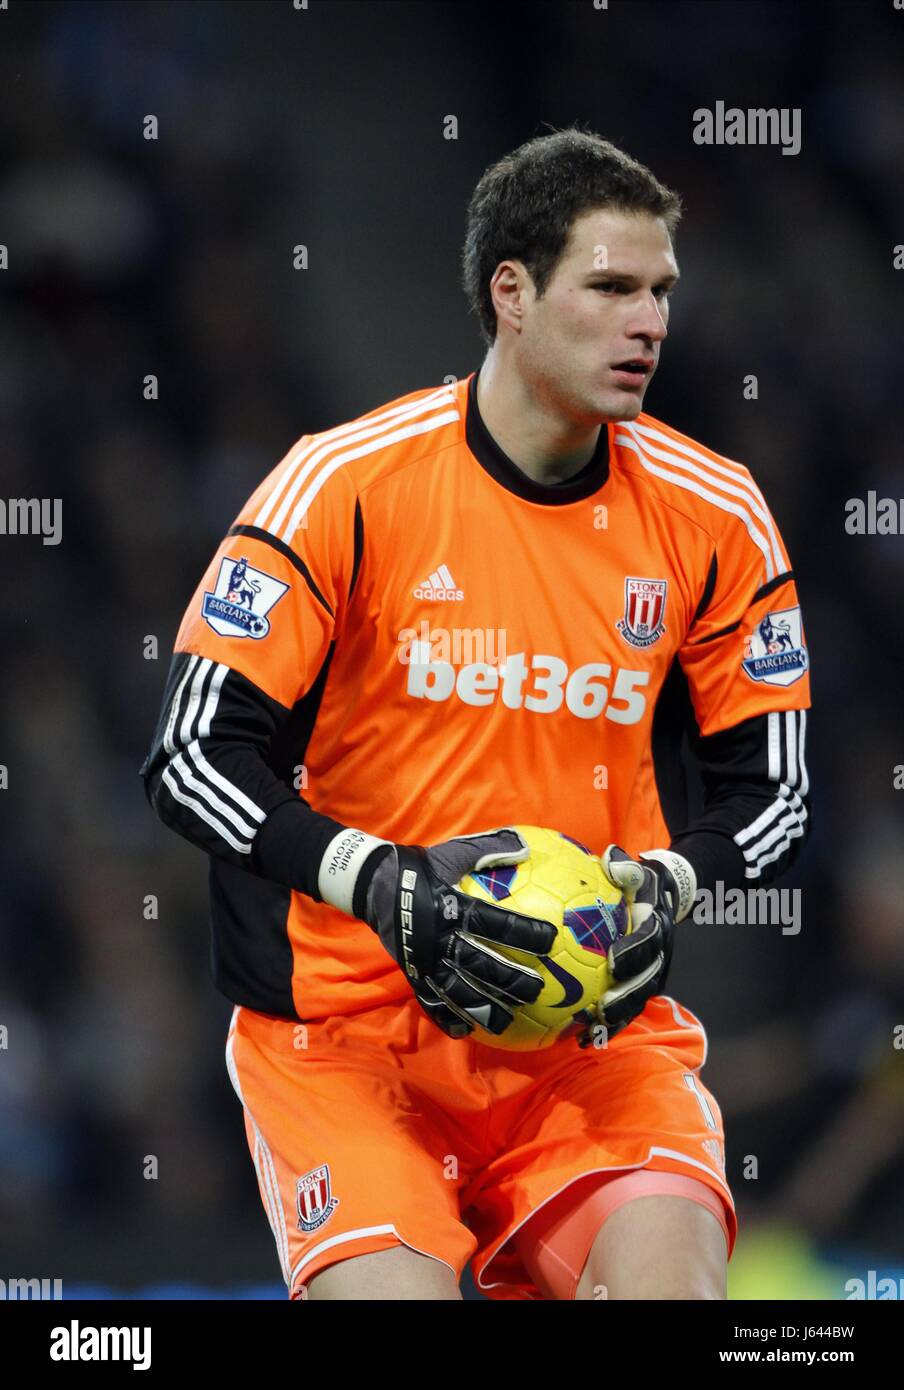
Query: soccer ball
[563, 883]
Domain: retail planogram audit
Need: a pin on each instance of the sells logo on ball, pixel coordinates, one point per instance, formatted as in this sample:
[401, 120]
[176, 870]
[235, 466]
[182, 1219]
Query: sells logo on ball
[775, 651]
[241, 600]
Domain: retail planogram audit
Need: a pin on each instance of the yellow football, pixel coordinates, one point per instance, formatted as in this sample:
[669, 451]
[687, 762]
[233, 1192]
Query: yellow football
[563, 883]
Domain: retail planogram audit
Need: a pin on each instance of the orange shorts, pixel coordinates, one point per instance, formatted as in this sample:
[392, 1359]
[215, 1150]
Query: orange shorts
[376, 1129]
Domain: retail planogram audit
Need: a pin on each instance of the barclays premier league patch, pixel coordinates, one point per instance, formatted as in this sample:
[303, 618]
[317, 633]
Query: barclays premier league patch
[775, 651]
[241, 600]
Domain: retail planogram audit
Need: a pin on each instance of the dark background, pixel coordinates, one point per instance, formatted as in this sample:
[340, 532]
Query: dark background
[173, 257]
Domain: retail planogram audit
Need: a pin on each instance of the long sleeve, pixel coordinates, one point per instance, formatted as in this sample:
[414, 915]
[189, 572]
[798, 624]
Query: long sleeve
[251, 658]
[746, 666]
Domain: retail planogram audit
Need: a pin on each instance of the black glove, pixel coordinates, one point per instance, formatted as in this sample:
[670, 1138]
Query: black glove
[443, 939]
[659, 888]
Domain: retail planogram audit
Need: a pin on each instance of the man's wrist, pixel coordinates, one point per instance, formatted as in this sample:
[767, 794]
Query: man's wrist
[347, 867]
[682, 874]
[365, 879]
[289, 846]
[715, 857]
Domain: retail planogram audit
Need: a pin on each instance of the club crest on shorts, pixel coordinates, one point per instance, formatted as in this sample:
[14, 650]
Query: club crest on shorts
[774, 652]
[313, 1201]
[241, 600]
[643, 624]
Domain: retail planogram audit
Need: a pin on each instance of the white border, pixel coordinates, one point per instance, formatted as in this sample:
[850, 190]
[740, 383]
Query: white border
[362, 1233]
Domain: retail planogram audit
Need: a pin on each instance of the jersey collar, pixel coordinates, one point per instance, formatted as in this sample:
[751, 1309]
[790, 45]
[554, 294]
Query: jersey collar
[500, 467]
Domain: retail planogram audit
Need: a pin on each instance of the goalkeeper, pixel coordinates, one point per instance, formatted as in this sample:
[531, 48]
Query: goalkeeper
[343, 773]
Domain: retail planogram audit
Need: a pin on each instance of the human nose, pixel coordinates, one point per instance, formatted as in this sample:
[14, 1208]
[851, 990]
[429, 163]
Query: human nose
[650, 319]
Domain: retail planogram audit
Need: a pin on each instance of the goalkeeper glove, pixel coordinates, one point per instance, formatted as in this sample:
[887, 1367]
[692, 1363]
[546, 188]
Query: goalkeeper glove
[444, 939]
[660, 887]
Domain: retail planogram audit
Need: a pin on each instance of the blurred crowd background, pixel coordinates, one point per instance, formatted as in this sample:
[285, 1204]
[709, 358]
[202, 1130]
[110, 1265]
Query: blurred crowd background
[173, 257]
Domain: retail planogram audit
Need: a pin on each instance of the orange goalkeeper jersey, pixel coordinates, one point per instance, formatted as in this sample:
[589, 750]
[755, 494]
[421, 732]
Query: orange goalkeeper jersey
[456, 647]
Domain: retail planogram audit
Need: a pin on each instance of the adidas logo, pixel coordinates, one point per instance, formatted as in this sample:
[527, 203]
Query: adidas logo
[439, 588]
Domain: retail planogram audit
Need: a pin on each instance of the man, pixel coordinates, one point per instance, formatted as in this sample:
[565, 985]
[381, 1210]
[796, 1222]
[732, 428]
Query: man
[628, 573]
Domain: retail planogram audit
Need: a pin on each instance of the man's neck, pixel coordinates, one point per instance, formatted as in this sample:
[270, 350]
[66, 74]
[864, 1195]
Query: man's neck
[545, 447]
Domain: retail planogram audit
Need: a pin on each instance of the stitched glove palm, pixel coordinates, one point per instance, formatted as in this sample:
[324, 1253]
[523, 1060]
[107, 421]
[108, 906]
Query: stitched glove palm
[444, 939]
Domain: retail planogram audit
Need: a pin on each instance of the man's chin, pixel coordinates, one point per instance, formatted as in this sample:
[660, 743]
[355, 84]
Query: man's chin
[622, 405]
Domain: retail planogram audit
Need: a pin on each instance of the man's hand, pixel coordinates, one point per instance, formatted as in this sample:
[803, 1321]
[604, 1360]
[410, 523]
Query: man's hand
[444, 939]
[659, 887]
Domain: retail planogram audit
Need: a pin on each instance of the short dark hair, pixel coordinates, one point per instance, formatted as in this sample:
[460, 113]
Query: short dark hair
[524, 205]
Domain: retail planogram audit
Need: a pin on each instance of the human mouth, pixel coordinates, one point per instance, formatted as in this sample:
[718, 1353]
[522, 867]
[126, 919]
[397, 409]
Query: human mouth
[634, 372]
